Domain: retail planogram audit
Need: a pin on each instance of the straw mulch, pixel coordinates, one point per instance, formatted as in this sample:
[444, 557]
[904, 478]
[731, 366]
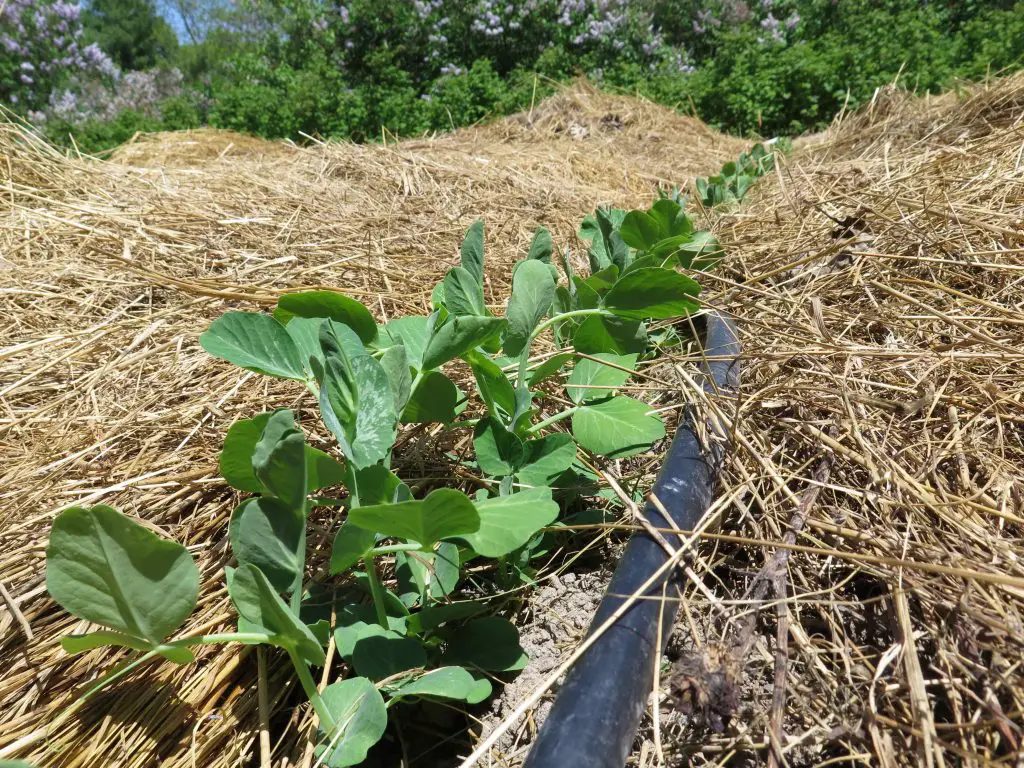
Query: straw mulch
[876, 279]
[110, 270]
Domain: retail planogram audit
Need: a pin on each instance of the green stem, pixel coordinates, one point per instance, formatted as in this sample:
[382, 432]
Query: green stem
[313, 694]
[221, 637]
[553, 419]
[565, 316]
[376, 590]
[392, 548]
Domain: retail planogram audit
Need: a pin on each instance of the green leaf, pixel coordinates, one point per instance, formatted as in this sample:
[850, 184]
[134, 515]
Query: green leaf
[350, 546]
[423, 575]
[360, 716]
[305, 332]
[472, 252]
[256, 342]
[463, 294]
[279, 460]
[395, 363]
[413, 333]
[444, 683]
[322, 470]
[533, 291]
[240, 443]
[264, 611]
[104, 568]
[701, 251]
[617, 427]
[545, 459]
[640, 230]
[671, 218]
[444, 513]
[495, 389]
[654, 292]
[434, 400]
[357, 405]
[490, 643]
[541, 246]
[270, 535]
[433, 616]
[357, 621]
[331, 306]
[498, 451]
[388, 653]
[457, 337]
[593, 380]
[549, 367]
[508, 522]
[616, 335]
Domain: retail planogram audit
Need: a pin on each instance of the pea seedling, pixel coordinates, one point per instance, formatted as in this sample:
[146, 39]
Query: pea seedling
[414, 635]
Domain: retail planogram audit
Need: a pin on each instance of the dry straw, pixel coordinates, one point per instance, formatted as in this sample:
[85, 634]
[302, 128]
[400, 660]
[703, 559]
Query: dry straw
[876, 279]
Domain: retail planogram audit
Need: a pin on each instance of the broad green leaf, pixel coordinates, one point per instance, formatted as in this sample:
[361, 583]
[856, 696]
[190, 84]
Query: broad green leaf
[423, 575]
[472, 252]
[375, 484]
[498, 451]
[240, 443]
[549, 367]
[305, 332]
[338, 340]
[617, 427]
[395, 363]
[256, 342]
[541, 246]
[350, 546]
[445, 512]
[331, 306]
[360, 718]
[322, 470]
[357, 405]
[546, 458]
[495, 389]
[388, 653]
[463, 294]
[533, 291]
[587, 296]
[105, 568]
[490, 643]
[701, 251]
[435, 400]
[671, 218]
[593, 380]
[654, 292]
[445, 683]
[356, 621]
[73, 644]
[412, 333]
[270, 535]
[279, 460]
[615, 335]
[603, 280]
[457, 337]
[508, 522]
[639, 230]
[264, 611]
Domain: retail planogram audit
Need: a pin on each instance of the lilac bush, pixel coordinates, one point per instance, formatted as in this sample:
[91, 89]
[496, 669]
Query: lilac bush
[40, 46]
[90, 98]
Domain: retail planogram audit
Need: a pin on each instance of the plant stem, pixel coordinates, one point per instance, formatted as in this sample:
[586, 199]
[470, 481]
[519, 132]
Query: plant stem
[220, 637]
[565, 316]
[313, 694]
[553, 419]
[392, 548]
[376, 590]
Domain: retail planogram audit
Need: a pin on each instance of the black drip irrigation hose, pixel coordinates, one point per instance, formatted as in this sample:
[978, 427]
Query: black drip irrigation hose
[595, 718]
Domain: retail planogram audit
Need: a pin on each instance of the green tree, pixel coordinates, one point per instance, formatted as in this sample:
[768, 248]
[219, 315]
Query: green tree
[131, 32]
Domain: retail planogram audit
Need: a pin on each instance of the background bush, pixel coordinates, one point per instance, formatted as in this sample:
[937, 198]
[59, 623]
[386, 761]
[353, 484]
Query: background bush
[362, 69]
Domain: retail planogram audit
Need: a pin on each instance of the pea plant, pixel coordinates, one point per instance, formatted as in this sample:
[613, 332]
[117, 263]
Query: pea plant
[736, 178]
[402, 626]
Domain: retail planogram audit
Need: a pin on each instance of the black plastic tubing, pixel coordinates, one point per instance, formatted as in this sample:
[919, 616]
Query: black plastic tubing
[594, 719]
